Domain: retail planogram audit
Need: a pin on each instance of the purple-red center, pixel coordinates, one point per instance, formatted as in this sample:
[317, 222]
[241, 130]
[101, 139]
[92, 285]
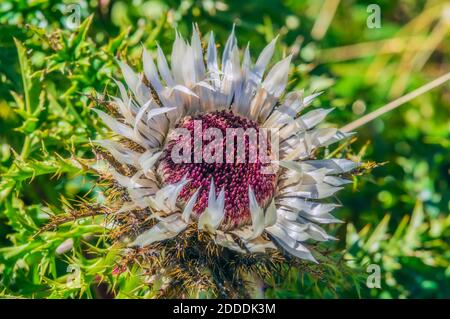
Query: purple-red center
[234, 174]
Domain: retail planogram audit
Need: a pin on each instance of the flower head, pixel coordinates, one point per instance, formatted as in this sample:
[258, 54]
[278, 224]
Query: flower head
[220, 147]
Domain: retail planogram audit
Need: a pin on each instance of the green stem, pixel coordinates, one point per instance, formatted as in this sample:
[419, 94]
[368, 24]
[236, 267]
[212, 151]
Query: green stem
[26, 147]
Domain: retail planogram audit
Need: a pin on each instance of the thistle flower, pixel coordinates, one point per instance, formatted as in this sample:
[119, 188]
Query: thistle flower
[233, 206]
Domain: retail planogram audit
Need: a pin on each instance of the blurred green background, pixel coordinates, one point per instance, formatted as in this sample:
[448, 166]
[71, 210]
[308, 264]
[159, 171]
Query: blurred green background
[396, 216]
